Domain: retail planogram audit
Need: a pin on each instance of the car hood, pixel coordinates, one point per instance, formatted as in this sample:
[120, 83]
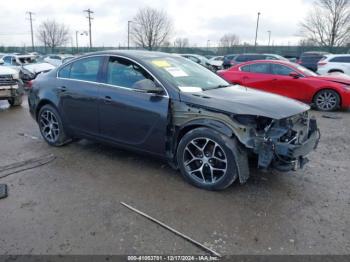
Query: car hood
[335, 77]
[38, 67]
[4, 70]
[246, 101]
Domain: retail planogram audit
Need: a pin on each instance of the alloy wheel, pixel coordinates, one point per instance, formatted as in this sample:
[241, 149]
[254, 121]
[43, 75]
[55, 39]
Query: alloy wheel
[49, 126]
[326, 101]
[205, 160]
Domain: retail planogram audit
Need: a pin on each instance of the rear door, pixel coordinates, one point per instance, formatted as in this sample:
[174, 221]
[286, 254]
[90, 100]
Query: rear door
[127, 115]
[78, 89]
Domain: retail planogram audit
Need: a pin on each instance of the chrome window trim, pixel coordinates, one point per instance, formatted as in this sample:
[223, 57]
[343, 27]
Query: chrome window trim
[121, 87]
[294, 69]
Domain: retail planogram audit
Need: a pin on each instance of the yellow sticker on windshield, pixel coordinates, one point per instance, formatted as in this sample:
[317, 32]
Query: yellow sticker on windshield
[161, 63]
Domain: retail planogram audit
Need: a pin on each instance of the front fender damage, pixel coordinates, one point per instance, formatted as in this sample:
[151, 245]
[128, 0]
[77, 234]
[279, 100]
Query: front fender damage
[280, 144]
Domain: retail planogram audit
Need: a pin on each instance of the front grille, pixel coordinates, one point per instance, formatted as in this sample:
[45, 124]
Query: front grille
[7, 80]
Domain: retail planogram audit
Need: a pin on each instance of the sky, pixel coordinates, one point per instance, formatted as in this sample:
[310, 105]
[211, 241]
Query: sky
[197, 20]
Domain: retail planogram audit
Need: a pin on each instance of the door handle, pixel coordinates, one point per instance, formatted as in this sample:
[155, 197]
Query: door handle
[62, 89]
[107, 100]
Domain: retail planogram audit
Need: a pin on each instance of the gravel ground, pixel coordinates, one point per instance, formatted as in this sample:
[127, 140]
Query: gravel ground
[72, 205]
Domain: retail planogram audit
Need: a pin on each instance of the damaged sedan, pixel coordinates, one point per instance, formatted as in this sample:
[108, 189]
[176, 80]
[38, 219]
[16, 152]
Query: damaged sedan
[175, 109]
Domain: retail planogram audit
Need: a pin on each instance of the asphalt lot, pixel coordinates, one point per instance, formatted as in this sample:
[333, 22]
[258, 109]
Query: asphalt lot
[72, 205]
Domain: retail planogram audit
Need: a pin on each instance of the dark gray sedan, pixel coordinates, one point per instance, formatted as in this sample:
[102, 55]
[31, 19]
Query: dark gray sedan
[173, 108]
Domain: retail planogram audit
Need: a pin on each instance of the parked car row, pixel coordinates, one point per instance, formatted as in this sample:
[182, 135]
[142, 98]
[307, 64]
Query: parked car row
[232, 60]
[27, 65]
[17, 71]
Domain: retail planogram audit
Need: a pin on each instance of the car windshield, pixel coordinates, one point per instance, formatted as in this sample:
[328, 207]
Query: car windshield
[304, 70]
[27, 60]
[281, 58]
[185, 74]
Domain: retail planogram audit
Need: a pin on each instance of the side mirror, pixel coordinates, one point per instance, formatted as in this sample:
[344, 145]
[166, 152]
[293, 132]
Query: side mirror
[148, 86]
[1, 62]
[294, 75]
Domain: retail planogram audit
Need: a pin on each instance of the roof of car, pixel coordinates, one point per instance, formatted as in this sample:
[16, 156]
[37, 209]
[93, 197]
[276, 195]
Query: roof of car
[285, 62]
[315, 53]
[134, 54]
[336, 55]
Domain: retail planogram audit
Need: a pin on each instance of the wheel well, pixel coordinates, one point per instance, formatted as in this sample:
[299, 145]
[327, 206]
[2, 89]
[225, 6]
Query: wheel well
[323, 89]
[41, 104]
[336, 70]
[184, 130]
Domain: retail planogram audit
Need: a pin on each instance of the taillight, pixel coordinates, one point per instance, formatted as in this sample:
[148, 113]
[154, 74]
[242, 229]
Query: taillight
[29, 84]
[299, 61]
[321, 63]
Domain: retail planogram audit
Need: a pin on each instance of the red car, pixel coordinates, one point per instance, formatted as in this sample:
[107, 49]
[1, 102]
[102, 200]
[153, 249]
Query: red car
[326, 93]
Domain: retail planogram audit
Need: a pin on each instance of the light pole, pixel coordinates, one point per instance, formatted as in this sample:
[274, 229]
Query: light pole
[257, 28]
[208, 45]
[129, 22]
[76, 38]
[269, 32]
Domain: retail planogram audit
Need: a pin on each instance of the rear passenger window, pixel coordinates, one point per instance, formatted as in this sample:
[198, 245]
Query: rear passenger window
[86, 69]
[341, 59]
[245, 68]
[260, 68]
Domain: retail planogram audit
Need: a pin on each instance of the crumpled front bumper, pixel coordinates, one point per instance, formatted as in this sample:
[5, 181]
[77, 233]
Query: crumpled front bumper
[286, 156]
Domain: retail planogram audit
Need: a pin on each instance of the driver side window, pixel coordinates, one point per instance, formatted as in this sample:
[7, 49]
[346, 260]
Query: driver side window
[7, 60]
[125, 73]
[281, 70]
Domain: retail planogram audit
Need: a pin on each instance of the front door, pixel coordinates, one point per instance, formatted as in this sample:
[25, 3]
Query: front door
[286, 85]
[127, 115]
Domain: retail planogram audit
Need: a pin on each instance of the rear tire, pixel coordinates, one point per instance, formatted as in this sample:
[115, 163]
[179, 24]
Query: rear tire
[207, 159]
[51, 127]
[327, 100]
[16, 101]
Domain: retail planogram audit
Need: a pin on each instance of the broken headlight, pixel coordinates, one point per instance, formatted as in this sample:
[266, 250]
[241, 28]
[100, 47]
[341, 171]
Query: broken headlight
[260, 123]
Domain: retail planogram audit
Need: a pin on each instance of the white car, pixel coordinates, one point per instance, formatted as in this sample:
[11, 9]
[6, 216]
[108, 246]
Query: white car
[334, 64]
[26, 65]
[212, 65]
[11, 87]
[56, 60]
[217, 61]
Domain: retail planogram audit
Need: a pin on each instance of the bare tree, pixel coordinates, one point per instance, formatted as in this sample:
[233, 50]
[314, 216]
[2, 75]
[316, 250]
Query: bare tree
[328, 24]
[307, 42]
[53, 34]
[227, 42]
[150, 28]
[181, 42]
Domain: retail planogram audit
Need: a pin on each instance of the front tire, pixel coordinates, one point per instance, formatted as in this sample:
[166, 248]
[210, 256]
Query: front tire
[16, 101]
[327, 100]
[207, 159]
[50, 125]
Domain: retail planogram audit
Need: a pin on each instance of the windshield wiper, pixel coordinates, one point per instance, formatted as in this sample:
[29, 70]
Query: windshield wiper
[217, 87]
